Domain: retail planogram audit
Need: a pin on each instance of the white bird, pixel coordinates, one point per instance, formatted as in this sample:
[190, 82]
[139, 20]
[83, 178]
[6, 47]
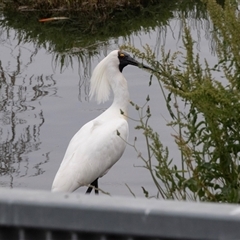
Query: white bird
[100, 143]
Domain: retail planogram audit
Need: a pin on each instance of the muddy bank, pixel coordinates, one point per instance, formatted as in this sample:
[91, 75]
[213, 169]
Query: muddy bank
[87, 16]
[78, 6]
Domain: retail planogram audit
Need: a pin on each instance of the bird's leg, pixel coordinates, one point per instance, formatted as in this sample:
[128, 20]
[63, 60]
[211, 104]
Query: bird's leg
[95, 185]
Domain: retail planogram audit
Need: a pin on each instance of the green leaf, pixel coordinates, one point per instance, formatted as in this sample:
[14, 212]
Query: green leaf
[145, 192]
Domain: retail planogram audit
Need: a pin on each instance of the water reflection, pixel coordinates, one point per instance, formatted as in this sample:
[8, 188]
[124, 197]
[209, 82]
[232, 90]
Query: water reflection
[69, 43]
[21, 118]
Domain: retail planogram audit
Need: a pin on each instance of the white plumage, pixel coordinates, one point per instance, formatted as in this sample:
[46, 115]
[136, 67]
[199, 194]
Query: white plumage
[96, 147]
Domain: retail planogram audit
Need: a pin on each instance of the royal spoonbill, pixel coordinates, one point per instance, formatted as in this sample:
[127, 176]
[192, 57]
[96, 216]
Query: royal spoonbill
[100, 143]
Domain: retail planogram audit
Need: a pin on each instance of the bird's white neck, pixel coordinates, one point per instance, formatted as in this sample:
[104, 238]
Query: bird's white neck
[106, 76]
[121, 95]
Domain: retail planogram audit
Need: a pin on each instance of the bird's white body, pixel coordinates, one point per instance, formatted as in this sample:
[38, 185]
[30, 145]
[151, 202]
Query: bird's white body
[97, 146]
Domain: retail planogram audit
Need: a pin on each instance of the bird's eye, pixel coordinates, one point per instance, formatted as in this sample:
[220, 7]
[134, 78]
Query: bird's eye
[121, 55]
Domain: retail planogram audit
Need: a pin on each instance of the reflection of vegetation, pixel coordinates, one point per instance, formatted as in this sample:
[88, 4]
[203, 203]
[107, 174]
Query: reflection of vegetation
[81, 37]
[204, 104]
[20, 119]
[79, 32]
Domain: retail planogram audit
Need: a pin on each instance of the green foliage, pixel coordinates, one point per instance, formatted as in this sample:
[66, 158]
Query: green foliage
[207, 125]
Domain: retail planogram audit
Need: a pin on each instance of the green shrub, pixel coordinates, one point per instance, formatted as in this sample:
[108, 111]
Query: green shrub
[208, 126]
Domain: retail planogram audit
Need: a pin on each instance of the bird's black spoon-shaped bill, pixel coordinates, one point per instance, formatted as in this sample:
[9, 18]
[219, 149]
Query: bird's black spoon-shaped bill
[134, 62]
[126, 59]
[146, 67]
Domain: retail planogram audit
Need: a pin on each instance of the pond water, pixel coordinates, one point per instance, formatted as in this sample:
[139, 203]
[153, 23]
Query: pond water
[43, 104]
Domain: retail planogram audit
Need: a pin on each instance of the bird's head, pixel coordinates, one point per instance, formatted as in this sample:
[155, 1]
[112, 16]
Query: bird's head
[109, 66]
[125, 59]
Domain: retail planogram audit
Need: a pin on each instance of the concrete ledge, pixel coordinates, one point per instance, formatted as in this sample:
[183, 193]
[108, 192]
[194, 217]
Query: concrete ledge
[118, 215]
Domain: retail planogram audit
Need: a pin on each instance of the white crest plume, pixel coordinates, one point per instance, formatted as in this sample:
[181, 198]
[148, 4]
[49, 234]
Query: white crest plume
[100, 80]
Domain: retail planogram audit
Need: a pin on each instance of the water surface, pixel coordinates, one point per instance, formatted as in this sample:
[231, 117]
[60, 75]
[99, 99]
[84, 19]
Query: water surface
[44, 101]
